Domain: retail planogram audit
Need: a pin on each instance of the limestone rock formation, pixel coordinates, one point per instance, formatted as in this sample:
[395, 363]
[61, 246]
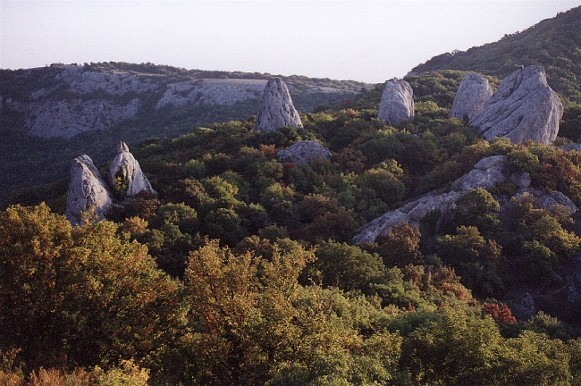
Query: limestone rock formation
[304, 152]
[397, 102]
[486, 174]
[523, 108]
[473, 93]
[87, 191]
[126, 167]
[411, 213]
[276, 108]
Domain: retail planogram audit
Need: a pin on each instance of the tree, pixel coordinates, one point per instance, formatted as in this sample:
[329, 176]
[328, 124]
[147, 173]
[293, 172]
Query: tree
[346, 266]
[82, 295]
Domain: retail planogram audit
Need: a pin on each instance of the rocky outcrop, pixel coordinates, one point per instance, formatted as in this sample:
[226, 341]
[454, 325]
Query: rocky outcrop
[304, 152]
[397, 102]
[88, 192]
[546, 200]
[276, 108]
[524, 108]
[473, 93]
[126, 168]
[411, 213]
[486, 174]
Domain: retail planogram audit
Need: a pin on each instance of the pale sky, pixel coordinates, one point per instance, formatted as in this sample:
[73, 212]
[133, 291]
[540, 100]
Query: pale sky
[369, 41]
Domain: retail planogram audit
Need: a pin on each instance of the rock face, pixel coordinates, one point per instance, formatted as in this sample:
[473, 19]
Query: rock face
[68, 118]
[125, 166]
[276, 108]
[487, 173]
[523, 108]
[397, 102]
[304, 152]
[473, 93]
[87, 191]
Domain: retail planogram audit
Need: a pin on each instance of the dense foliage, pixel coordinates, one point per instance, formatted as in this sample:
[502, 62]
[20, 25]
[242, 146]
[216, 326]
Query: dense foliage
[242, 271]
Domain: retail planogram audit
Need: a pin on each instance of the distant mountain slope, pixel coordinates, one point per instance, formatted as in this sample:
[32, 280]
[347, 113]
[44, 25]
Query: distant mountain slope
[553, 43]
[66, 100]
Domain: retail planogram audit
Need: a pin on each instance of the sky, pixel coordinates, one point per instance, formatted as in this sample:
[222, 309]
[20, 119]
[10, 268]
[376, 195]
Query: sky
[368, 41]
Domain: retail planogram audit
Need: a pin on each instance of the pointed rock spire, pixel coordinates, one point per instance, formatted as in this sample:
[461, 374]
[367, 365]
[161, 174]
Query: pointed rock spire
[126, 167]
[473, 93]
[276, 109]
[87, 191]
[397, 102]
[523, 108]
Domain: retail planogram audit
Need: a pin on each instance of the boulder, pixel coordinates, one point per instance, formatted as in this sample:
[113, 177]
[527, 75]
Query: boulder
[473, 93]
[304, 152]
[276, 108]
[126, 167]
[397, 102]
[88, 191]
[524, 108]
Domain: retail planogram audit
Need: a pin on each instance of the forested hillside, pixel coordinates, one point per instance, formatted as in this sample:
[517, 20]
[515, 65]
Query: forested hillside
[552, 43]
[242, 269]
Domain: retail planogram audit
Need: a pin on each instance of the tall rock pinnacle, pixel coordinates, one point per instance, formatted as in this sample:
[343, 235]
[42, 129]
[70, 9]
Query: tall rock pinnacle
[397, 102]
[473, 93]
[126, 167]
[87, 191]
[276, 109]
[523, 108]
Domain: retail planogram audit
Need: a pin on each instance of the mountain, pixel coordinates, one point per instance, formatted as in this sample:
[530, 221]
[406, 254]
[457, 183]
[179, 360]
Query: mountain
[552, 43]
[50, 115]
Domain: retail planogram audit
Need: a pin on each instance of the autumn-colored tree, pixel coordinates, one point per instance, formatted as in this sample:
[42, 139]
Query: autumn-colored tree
[79, 296]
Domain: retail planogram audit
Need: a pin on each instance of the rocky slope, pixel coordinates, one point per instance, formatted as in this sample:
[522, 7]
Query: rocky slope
[65, 100]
